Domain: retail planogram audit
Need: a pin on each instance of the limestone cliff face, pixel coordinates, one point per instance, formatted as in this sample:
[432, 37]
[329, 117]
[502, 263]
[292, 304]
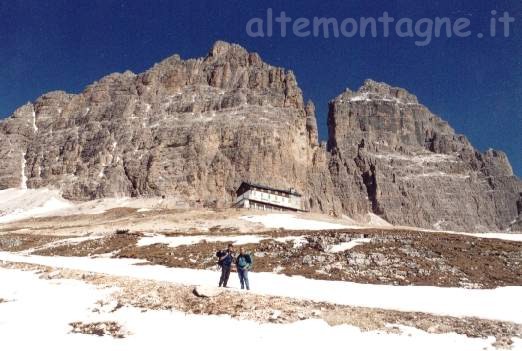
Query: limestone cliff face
[392, 155]
[194, 129]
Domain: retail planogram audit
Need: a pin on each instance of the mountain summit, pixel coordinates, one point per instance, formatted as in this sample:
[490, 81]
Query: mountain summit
[195, 129]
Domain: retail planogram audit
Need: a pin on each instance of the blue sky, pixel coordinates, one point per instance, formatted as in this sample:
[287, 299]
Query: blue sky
[475, 84]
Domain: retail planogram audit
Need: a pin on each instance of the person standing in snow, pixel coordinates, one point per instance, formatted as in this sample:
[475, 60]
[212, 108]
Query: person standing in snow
[226, 258]
[243, 264]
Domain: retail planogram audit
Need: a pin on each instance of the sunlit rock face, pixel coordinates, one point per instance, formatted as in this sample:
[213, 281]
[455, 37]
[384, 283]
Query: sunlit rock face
[192, 129]
[394, 156]
[195, 129]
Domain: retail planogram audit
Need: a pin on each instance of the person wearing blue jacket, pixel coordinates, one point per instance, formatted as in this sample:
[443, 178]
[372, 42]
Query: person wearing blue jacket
[226, 258]
[243, 264]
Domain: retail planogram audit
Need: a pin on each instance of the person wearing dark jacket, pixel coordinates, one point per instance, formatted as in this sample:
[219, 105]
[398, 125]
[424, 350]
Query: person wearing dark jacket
[243, 264]
[226, 258]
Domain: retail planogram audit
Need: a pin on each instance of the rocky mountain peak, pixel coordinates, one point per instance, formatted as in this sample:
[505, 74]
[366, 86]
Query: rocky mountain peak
[195, 129]
[393, 148]
[191, 129]
[378, 91]
[223, 48]
[385, 91]
[234, 74]
[224, 51]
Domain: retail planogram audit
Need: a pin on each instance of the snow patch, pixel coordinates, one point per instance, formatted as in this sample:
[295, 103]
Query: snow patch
[297, 240]
[378, 221]
[17, 204]
[438, 224]
[369, 97]
[501, 236]
[417, 159]
[360, 97]
[35, 128]
[290, 221]
[39, 312]
[23, 181]
[347, 245]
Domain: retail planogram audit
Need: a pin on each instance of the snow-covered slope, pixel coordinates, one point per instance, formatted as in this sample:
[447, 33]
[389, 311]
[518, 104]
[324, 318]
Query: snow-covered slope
[17, 204]
[499, 304]
[40, 321]
[293, 222]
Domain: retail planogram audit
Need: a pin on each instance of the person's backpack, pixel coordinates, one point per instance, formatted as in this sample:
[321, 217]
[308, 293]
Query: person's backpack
[220, 254]
[250, 261]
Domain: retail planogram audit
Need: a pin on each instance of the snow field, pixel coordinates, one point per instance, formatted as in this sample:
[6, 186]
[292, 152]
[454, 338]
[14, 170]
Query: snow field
[38, 312]
[499, 304]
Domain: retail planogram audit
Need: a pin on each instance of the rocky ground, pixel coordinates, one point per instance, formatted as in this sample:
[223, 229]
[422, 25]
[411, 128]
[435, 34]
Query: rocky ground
[98, 328]
[395, 257]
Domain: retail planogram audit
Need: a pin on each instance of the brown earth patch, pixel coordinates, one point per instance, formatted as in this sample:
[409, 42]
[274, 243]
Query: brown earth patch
[392, 257]
[397, 259]
[98, 328]
[108, 244]
[21, 242]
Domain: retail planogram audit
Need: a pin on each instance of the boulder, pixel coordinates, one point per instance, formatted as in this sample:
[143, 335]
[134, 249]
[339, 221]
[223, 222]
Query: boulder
[207, 291]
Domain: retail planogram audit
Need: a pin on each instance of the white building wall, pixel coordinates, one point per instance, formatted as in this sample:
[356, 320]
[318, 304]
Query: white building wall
[293, 202]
